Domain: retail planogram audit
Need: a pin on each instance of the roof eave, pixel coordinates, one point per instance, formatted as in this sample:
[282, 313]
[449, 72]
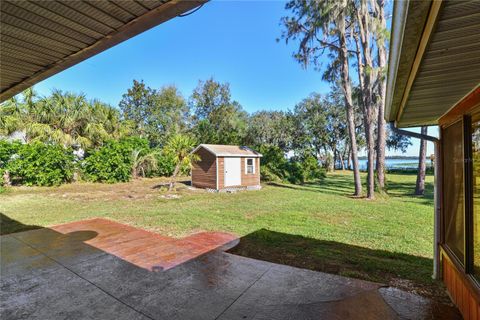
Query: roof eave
[399, 15]
[147, 21]
[412, 26]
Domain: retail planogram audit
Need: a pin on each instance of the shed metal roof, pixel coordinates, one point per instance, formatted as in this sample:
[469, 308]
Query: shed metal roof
[221, 150]
[41, 38]
[434, 59]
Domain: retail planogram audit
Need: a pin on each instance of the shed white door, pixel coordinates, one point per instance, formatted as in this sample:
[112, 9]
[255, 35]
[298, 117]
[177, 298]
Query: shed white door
[233, 172]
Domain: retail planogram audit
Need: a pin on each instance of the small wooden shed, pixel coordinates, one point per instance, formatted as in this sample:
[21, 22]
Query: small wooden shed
[223, 167]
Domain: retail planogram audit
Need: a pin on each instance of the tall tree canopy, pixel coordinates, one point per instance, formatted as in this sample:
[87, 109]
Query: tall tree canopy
[321, 29]
[216, 118]
[321, 127]
[311, 123]
[274, 128]
[348, 33]
[156, 114]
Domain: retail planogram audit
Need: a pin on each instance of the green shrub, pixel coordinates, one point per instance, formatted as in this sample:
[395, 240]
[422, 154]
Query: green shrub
[274, 165]
[41, 164]
[311, 169]
[166, 164]
[294, 172]
[2, 187]
[268, 176]
[7, 150]
[113, 161]
[135, 143]
[299, 169]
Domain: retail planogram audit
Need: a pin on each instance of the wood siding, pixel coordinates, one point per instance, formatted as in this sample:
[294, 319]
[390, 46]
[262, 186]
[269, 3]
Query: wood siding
[204, 172]
[251, 179]
[460, 290]
[467, 104]
[221, 172]
[247, 179]
[461, 286]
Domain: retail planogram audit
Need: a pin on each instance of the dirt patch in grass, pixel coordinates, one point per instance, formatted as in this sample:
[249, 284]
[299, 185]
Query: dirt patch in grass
[138, 189]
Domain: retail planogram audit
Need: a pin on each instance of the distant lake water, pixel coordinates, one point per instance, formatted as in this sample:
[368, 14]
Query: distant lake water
[396, 163]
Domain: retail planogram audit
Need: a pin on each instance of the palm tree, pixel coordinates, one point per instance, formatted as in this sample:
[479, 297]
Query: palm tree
[15, 112]
[180, 147]
[65, 118]
[143, 163]
[9, 122]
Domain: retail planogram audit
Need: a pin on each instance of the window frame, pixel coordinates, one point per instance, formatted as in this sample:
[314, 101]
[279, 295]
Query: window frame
[467, 263]
[460, 261]
[468, 189]
[247, 165]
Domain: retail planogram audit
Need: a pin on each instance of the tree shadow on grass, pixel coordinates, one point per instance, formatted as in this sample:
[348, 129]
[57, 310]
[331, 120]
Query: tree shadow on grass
[405, 191]
[9, 225]
[409, 272]
[401, 189]
[342, 185]
[338, 185]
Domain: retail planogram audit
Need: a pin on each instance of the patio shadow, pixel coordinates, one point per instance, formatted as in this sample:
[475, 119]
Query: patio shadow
[408, 272]
[109, 278]
[9, 225]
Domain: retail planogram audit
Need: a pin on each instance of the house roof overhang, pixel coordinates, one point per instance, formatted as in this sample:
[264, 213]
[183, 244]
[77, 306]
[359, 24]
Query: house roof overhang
[434, 59]
[41, 38]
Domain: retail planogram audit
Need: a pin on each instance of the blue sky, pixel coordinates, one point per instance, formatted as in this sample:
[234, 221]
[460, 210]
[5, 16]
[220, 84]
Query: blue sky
[232, 41]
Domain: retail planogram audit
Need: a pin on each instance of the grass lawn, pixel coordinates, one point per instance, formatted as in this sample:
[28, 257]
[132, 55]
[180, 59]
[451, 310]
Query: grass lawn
[316, 226]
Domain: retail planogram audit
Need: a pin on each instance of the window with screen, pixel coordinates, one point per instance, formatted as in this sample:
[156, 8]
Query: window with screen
[475, 136]
[453, 172]
[250, 166]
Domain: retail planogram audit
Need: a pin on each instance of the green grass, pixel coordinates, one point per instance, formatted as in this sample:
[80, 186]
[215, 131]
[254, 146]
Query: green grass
[316, 225]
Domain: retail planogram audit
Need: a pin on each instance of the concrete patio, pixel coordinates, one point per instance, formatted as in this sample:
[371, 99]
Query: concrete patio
[99, 269]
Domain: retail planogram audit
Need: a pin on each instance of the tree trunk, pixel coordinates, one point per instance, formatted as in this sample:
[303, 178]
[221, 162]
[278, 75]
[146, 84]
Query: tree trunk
[349, 161]
[381, 137]
[381, 134]
[335, 159]
[342, 165]
[345, 157]
[370, 137]
[420, 185]
[328, 159]
[174, 177]
[366, 81]
[347, 90]
[367, 122]
[7, 182]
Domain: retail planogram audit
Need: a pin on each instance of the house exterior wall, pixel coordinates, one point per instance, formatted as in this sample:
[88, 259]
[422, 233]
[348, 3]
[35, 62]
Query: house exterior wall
[221, 172]
[457, 268]
[247, 179]
[460, 290]
[251, 179]
[204, 172]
